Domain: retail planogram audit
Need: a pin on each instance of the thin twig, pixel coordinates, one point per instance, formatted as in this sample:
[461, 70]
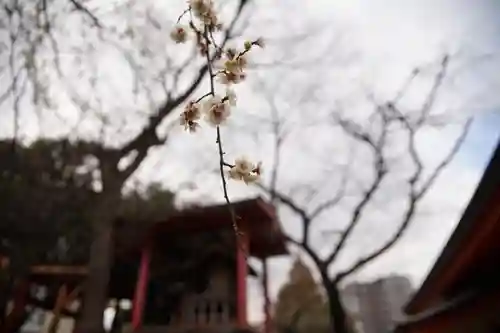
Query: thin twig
[87, 12]
[219, 142]
[203, 96]
[187, 10]
[224, 184]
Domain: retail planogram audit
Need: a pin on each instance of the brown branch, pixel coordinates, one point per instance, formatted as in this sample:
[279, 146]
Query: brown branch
[134, 165]
[404, 89]
[80, 7]
[380, 172]
[333, 201]
[357, 213]
[447, 160]
[431, 98]
[414, 199]
[305, 246]
[4, 95]
[353, 130]
[147, 137]
[224, 184]
[287, 201]
[291, 204]
[402, 228]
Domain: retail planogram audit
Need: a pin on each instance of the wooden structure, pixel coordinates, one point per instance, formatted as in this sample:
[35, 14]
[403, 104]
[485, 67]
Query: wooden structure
[187, 273]
[193, 268]
[462, 291]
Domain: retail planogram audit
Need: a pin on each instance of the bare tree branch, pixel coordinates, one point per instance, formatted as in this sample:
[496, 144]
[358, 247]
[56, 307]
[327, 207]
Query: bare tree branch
[431, 98]
[287, 201]
[380, 172]
[447, 159]
[305, 246]
[414, 198]
[80, 7]
[328, 204]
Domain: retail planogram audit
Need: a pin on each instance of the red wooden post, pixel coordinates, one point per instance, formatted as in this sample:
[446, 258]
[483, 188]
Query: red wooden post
[267, 302]
[241, 276]
[141, 287]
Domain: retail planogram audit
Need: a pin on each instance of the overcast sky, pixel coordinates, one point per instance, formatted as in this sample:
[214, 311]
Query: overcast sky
[356, 47]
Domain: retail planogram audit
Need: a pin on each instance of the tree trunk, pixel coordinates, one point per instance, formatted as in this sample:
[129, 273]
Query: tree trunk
[338, 316]
[95, 294]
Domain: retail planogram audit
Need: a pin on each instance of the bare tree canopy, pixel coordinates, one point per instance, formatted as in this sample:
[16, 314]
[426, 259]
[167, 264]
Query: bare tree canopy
[386, 138]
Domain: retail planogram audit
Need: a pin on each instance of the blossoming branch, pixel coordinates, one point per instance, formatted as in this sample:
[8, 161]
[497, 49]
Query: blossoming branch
[226, 66]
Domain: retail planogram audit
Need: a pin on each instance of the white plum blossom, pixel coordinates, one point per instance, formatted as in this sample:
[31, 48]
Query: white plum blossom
[231, 66]
[216, 110]
[245, 170]
[190, 115]
[228, 78]
[204, 11]
[179, 34]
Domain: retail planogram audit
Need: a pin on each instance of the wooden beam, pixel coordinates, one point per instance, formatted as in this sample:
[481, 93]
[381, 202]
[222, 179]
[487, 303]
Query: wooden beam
[58, 269]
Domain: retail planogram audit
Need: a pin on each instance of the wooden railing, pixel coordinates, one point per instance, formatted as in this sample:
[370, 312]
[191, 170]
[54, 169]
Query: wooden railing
[204, 315]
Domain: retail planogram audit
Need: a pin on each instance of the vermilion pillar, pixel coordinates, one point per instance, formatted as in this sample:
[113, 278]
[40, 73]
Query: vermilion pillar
[267, 303]
[141, 287]
[241, 276]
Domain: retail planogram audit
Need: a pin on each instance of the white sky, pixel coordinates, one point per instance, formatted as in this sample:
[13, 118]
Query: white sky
[358, 46]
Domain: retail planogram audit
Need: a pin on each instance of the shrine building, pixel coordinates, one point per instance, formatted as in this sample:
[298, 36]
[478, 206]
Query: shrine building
[188, 273]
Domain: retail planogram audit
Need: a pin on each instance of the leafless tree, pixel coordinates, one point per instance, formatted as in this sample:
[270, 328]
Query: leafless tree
[377, 133]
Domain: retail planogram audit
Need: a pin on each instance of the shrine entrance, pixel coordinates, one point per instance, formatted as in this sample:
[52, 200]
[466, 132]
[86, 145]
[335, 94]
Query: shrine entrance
[191, 276]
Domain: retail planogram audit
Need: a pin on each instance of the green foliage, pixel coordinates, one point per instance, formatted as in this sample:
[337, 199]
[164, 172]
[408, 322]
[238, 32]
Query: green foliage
[138, 211]
[153, 205]
[46, 199]
[45, 192]
[300, 306]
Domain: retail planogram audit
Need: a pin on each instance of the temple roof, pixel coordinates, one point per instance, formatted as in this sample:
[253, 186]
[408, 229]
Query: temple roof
[255, 217]
[470, 256]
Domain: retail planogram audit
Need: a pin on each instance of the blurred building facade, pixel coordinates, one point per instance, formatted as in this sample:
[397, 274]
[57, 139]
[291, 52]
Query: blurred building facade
[376, 306]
